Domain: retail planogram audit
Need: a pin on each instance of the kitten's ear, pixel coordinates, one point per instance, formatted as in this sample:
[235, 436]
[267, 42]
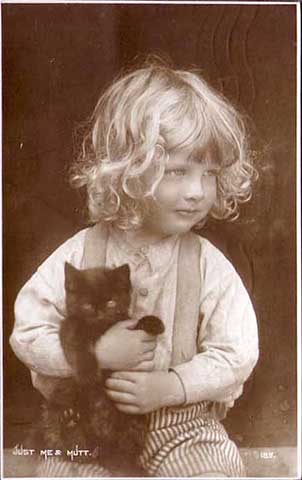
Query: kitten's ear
[123, 273]
[71, 276]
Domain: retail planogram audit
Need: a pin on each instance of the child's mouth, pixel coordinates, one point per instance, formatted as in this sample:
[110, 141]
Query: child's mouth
[187, 213]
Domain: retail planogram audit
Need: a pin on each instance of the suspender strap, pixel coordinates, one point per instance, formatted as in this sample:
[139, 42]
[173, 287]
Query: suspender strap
[188, 287]
[187, 300]
[95, 246]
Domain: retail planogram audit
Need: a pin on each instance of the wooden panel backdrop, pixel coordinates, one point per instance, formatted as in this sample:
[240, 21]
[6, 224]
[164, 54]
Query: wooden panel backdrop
[56, 61]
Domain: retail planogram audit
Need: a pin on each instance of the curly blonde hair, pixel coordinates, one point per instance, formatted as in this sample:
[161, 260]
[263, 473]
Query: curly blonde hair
[153, 110]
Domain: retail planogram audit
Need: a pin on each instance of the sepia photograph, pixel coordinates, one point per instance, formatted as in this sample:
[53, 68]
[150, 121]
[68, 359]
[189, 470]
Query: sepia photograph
[151, 242]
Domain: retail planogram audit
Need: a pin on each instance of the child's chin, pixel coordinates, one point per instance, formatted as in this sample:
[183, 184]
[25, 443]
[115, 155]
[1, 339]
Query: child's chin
[179, 230]
[184, 227]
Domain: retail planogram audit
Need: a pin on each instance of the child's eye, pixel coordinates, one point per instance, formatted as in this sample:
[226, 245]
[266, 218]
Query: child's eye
[177, 172]
[111, 304]
[88, 307]
[210, 173]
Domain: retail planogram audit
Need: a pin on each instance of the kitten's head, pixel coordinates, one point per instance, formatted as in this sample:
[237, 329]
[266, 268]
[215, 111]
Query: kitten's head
[98, 295]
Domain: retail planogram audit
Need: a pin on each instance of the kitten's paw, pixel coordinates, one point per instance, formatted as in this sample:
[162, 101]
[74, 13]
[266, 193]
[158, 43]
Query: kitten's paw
[151, 324]
[70, 417]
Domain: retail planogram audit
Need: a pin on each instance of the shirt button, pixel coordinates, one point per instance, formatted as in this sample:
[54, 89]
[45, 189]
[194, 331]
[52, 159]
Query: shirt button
[144, 250]
[143, 291]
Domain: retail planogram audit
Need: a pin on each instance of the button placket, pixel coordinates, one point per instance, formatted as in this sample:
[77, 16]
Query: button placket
[143, 291]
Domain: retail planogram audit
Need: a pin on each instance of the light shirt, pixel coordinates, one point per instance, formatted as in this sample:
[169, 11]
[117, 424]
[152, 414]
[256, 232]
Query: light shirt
[227, 341]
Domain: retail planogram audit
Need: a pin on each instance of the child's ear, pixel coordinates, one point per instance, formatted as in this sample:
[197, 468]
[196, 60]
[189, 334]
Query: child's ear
[71, 276]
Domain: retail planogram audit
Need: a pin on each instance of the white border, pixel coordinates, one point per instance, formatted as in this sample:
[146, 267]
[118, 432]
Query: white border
[155, 2]
[298, 227]
[1, 269]
[298, 190]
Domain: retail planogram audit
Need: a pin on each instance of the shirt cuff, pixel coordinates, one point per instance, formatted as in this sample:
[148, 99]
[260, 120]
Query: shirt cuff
[209, 384]
[172, 369]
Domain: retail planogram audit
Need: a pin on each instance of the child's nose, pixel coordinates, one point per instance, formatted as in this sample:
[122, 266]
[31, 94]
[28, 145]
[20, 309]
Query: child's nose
[195, 189]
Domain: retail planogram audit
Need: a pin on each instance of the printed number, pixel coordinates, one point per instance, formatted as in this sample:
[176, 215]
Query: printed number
[267, 455]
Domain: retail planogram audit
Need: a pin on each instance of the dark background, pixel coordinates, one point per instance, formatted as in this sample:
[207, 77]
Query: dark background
[56, 61]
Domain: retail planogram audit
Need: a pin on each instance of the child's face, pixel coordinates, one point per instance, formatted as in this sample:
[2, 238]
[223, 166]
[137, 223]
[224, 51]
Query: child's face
[184, 196]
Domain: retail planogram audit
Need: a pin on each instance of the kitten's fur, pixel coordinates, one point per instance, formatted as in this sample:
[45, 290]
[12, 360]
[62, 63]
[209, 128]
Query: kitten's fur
[79, 412]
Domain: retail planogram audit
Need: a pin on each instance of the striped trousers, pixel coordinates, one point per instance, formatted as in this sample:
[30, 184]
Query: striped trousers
[187, 442]
[181, 442]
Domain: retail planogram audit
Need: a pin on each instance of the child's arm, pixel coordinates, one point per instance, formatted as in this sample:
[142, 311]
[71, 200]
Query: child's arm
[227, 342]
[227, 349]
[143, 392]
[40, 309]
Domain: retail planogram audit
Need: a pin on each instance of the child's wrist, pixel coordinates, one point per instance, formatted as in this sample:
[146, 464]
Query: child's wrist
[175, 393]
[100, 354]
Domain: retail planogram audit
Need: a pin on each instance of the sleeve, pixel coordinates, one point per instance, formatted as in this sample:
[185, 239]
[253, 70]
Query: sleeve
[228, 335]
[39, 310]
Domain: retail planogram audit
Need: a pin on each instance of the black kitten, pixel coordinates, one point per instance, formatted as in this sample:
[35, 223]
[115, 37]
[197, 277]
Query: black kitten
[79, 412]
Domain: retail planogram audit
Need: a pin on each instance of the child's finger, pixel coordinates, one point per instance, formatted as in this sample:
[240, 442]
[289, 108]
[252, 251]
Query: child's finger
[149, 355]
[121, 397]
[148, 338]
[129, 323]
[119, 385]
[148, 347]
[145, 366]
[127, 408]
[124, 376]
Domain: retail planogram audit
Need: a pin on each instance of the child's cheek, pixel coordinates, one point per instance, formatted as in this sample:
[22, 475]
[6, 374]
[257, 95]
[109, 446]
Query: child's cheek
[211, 187]
[167, 192]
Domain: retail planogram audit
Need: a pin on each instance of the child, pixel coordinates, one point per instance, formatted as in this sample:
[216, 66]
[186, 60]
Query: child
[164, 152]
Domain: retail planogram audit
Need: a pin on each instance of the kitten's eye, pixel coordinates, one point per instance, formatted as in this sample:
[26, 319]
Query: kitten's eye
[111, 304]
[88, 307]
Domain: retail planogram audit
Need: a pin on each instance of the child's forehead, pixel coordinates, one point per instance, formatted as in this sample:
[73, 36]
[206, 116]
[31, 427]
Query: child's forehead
[204, 154]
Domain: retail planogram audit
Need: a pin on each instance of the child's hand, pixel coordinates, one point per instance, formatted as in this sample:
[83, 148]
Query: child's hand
[143, 392]
[122, 348]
